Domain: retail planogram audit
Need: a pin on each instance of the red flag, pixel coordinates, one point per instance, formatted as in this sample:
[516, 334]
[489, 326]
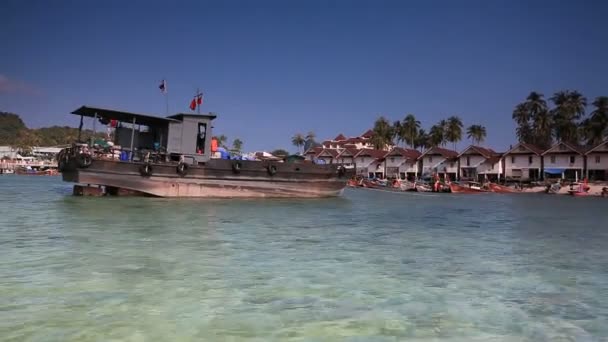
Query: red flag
[113, 123]
[199, 100]
[193, 104]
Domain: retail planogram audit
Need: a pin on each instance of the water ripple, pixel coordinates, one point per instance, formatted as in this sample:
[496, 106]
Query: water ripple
[370, 266]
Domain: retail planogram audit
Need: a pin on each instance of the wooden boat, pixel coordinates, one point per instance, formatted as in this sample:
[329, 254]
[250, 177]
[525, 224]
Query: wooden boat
[32, 172]
[176, 156]
[469, 188]
[502, 189]
[579, 189]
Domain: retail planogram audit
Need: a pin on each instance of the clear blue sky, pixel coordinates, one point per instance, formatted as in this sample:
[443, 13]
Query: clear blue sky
[271, 69]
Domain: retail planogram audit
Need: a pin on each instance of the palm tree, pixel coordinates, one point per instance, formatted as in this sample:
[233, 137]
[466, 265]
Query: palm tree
[237, 145]
[595, 128]
[409, 130]
[422, 140]
[477, 133]
[436, 135]
[542, 129]
[383, 133]
[522, 118]
[310, 136]
[298, 141]
[453, 130]
[569, 108]
[221, 140]
[397, 132]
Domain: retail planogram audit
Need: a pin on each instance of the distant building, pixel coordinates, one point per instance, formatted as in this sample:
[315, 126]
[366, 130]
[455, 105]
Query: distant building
[564, 161]
[479, 163]
[523, 162]
[402, 163]
[9, 152]
[597, 162]
[439, 161]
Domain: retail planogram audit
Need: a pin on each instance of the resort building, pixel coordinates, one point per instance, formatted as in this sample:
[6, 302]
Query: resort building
[371, 163]
[479, 163]
[523, 162]
[597, 162]
[564, 161]
[340, 142]
[347, 157]
[441, 161]
[8, 152]
[402, 163]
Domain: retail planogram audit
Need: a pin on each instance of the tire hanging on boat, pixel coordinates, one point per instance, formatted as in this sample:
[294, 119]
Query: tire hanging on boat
[182, 169]
[272, 169]
[84, 160]
[236, 167]
[145, 170]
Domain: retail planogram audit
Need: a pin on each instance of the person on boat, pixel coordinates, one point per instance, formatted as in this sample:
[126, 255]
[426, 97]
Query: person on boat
[214, 151]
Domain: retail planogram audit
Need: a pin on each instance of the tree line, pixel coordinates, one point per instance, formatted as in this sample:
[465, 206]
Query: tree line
[410, 132]
[565, 121]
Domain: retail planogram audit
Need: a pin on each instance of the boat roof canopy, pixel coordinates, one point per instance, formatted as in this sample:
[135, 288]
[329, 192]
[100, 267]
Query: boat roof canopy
[110, 114]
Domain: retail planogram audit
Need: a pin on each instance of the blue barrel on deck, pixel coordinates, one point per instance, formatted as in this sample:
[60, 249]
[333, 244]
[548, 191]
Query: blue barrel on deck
[124, 156]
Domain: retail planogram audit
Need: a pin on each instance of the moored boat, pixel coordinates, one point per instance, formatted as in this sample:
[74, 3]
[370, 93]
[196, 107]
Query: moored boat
[174, 157]
[469, 188]
[502, 189]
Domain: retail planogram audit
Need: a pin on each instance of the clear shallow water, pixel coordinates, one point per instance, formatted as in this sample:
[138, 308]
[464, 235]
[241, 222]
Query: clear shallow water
[370, 266]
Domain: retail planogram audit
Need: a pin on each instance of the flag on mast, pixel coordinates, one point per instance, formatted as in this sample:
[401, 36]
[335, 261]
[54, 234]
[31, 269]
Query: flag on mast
[199, 99]
[193, 104]
[163, 86]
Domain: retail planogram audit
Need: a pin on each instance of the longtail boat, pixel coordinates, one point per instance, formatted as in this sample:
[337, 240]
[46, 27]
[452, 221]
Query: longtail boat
[502, 189]
[175, 156]
[470, 188]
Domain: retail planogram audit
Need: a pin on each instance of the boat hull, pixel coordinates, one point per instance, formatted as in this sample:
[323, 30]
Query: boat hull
[459, 189]
[215, 179]
[501, 189]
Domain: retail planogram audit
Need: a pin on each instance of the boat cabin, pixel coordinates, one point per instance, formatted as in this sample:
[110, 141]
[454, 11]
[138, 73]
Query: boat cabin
[177, 137]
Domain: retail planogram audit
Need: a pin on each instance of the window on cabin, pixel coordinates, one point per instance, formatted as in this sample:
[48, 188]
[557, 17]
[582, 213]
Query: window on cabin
[468, 161]
[430, 159]
[572, 159]
[201, 137]
[597, 159]
[529, 159]
[552, 159]
[512, 159]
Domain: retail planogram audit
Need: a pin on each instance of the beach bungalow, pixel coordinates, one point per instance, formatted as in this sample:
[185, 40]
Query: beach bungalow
[346, 157]
[523, 162]
[328, 156]
[597, 162]
[370, 163]
[565, 161]
[312, 153]
[479, 163]
[439, 160]
[402, 163]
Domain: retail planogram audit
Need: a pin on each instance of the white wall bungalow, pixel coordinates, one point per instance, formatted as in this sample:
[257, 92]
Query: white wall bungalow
[523, 162]
[370, 163]
[479, 163]
[346, 157]
[597, 162]
[564, 161]
[402, 163]
[441, 161]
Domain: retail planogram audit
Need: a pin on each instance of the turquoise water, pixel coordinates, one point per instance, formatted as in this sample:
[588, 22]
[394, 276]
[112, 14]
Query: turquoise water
[370, 266]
